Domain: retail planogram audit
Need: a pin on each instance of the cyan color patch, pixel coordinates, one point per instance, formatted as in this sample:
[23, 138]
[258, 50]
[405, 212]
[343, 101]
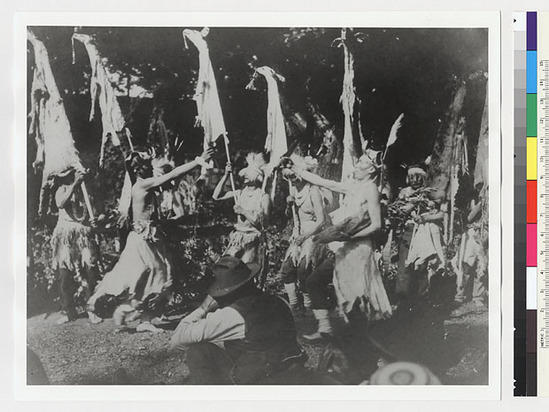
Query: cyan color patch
[531, 71]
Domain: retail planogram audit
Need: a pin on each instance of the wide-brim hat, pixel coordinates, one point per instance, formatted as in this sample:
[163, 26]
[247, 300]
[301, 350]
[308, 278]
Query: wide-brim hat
[230, 274]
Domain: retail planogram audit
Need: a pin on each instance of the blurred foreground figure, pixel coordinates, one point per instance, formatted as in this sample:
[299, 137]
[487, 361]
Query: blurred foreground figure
[257, 330]
[403, 373]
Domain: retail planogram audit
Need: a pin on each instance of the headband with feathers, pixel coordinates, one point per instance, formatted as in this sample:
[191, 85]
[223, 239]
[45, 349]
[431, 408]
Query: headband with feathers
[256, 164]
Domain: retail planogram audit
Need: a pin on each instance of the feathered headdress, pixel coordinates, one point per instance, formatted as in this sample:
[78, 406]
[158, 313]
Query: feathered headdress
[307, 163]
[137, 158]
[161, 166]
[256, 164]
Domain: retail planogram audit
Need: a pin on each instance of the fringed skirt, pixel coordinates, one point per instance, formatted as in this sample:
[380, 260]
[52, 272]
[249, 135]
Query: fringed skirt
[250, 247]
[310, 252]
[425, 245]
[357, 279]
[72, 246]
[142, 270]
[247, 246]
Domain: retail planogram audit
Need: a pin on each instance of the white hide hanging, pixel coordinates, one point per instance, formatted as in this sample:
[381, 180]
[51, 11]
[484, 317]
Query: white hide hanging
[49, 122]
[102, 92]
[210, 115]
[276, 143]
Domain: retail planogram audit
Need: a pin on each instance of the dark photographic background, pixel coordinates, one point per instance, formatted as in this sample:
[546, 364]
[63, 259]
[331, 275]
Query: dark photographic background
[410, 71]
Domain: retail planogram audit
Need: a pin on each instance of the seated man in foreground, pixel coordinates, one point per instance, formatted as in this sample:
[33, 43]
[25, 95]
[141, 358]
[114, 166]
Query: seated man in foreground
[257, 330]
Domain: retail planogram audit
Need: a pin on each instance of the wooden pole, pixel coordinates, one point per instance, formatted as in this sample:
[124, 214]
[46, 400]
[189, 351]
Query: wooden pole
[273, 185]
[87, 200]
[129, 137]
[384, 153]
[294, 209]
[452, 202]
[226, 140]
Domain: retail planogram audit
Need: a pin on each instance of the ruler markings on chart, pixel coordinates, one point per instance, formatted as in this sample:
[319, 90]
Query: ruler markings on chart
[543, 190]
[542, 108]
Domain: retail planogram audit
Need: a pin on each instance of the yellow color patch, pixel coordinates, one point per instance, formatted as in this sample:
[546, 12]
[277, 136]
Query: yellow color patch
[531, 158]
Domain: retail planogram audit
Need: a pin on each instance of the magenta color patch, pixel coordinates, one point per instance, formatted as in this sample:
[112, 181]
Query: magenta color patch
[531, 245]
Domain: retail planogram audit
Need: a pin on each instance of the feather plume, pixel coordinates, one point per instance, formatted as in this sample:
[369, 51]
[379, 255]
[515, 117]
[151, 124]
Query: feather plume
[393, 134]
[256, 160]
[394, 130]
[306, 163]
[161, 166]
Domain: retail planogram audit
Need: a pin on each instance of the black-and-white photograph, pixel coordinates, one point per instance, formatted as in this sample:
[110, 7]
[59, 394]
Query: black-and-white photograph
[229, 205]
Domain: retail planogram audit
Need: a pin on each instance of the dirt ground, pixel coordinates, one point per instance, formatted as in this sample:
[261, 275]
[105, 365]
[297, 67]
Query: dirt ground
[79, 353]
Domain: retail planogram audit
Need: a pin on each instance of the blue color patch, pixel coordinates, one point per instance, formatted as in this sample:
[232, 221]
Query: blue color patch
[531, 71]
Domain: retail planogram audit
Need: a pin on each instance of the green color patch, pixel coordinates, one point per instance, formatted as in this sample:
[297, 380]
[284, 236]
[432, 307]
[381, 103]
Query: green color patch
[531, 115]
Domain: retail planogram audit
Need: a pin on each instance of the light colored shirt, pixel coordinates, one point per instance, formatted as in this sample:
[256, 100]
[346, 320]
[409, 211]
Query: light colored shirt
[218, 326]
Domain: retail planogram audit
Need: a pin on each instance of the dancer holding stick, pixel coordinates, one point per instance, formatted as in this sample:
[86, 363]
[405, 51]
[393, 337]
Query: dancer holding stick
[308, 210]
[354, 273]
[252, 206]
[74, 251]
[210, 115]
[143, 271]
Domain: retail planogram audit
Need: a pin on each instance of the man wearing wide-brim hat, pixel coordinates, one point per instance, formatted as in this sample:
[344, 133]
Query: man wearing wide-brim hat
[257, 331]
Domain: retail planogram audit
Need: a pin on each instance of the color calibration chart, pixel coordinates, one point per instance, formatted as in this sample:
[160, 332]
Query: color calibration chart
[531, 79]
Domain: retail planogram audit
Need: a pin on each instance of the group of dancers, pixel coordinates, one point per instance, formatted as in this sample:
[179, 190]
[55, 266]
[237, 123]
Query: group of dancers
[333, 258]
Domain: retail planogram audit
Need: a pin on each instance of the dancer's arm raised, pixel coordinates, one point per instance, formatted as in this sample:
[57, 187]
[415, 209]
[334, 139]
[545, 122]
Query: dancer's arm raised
[64, 193]
[319, 181]
[156, 181]
[217, 191]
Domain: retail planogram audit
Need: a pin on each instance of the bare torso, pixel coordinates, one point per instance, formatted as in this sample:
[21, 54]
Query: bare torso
[250, 198]
[71, 210]
[143, 207]
[305, 208]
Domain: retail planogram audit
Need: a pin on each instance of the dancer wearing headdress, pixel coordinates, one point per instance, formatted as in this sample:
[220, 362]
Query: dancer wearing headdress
[143, 270]
[247, 241]
[420, 250]
[308, 207]
[356, 276]
[74, 251]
